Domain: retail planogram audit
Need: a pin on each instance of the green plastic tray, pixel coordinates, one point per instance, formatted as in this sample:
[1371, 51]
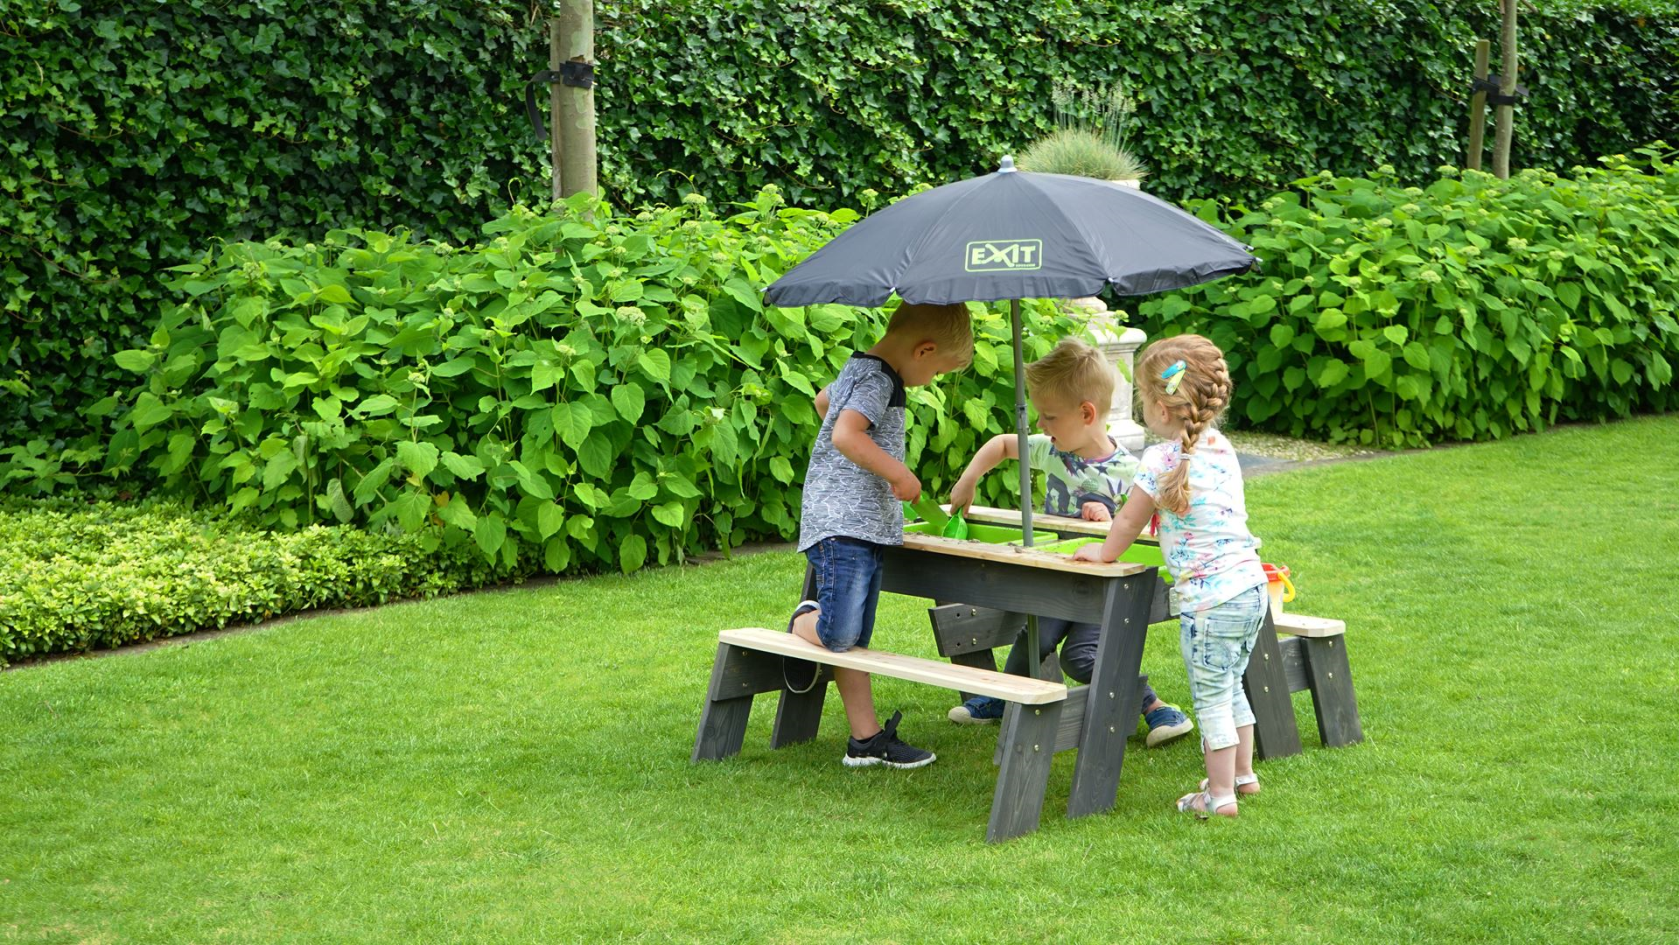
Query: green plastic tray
[990, 534]
[1136, 554]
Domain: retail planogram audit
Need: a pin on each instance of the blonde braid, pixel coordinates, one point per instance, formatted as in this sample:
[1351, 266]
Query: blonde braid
[1209, 395]
[1199, 400]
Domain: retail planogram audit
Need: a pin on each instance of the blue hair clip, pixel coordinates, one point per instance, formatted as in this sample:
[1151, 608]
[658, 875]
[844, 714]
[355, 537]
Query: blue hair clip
[1173, 376]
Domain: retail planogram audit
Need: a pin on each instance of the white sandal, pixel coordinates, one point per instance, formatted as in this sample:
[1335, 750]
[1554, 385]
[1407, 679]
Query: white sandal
[1209, 804]
[1242, 781]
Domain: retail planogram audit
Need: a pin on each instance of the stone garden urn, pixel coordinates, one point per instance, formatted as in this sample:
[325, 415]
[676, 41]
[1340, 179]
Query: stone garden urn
[1119, 345]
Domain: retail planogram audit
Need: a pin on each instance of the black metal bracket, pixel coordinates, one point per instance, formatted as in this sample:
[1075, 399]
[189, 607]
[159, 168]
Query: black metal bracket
[1490, 85]
[576, 74]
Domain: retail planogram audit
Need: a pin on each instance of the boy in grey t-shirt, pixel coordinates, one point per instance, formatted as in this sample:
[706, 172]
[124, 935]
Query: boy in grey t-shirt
[852, 492]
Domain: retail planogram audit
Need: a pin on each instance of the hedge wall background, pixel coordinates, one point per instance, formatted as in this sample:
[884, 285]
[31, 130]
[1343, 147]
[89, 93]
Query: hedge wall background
[137, 132]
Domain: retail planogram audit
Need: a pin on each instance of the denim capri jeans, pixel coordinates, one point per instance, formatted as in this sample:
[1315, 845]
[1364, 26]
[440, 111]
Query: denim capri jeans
[1216, 644]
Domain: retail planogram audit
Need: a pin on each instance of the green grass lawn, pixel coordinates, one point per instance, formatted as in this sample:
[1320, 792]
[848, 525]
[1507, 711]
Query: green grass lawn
[513, 766]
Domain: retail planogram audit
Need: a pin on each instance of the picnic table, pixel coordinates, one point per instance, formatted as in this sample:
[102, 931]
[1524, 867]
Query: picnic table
[1042, 718]
[1095, 719]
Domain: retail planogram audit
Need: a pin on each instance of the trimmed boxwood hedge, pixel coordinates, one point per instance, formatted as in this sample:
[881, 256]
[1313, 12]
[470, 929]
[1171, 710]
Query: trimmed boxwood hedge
[138, 131]
[79, 575]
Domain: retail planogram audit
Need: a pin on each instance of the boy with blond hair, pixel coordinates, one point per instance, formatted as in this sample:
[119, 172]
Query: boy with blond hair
[852, 509]
[1088, 474]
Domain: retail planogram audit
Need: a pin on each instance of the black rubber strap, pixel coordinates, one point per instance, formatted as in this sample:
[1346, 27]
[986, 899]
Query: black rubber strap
[544, 77]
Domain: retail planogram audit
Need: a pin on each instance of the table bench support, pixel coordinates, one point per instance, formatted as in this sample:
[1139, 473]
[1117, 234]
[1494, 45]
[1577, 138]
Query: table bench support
[1330, 678]
[799, 715]
[736, 676]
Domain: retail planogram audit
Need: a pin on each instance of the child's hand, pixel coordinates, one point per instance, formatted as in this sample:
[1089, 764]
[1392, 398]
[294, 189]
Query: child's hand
[1090, 553]
[961, 496]
[906, 487]
[1096, 512]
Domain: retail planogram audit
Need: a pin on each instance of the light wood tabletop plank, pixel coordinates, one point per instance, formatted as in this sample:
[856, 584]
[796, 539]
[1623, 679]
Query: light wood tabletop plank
[1014, 554]
[1057, 523]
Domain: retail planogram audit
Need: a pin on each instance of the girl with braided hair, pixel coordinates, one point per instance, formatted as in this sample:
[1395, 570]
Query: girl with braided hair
[1194, 485]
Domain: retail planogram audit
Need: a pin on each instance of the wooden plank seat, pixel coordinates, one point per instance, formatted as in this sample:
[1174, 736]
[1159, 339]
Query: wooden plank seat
[985, 682]
[749, 662]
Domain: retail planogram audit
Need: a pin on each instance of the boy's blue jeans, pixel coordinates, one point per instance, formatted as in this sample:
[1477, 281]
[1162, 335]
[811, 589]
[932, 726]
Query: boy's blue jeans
[1216, 644]
[1078, 654]
[847, 574]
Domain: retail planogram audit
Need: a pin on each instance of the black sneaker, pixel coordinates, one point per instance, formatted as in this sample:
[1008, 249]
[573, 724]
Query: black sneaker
[886, 748]
[800, 676]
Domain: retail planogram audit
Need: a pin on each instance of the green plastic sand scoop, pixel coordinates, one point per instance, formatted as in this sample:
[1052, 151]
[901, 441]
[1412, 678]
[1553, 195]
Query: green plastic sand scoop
[950, 526]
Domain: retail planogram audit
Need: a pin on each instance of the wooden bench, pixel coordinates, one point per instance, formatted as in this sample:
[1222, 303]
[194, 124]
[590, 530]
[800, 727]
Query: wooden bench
[1314, 658]
[749, 662]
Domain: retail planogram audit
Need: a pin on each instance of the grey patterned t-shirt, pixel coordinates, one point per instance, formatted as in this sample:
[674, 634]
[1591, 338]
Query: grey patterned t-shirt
[841, 498]
[1072, 480]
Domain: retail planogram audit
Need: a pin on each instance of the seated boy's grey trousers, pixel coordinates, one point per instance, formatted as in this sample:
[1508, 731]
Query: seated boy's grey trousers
[1078, 655]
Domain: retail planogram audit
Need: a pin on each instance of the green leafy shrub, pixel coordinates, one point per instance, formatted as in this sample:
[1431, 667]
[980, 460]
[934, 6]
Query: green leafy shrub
[585, 390]
[1469, 309]
[139, 131]
[75, 576]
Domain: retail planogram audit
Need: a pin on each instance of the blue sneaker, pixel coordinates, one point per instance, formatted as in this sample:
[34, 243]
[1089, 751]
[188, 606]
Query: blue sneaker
[1165, 724]
[980, 710]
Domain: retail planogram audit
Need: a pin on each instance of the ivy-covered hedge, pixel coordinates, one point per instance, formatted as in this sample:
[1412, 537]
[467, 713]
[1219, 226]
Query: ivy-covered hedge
[139, 131]
[583, 390]
[1469, 309]
[79, 576]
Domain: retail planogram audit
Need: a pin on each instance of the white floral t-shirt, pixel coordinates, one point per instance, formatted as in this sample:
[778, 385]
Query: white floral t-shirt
[1209, 551]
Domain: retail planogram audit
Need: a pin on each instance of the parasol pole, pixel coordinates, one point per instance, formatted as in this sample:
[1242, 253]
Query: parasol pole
[1025, 476]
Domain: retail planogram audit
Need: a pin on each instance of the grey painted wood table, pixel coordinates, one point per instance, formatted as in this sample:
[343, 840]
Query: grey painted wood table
[1095, 719]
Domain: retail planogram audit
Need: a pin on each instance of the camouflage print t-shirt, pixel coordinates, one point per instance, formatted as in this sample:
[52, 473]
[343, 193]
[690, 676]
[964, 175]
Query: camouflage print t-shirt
[841, 498]
[1073, 480]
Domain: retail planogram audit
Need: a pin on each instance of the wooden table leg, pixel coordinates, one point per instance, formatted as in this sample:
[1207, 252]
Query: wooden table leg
[1027, 745]
[1275, 733]
[799, 715]
[1330, 678]
[1111, 708]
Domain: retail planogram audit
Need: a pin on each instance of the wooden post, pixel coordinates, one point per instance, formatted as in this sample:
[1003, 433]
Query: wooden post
[574, 119]
[1275, 733]
[1110, 710]
[1478, 109]
[554, 60]
[1504, 116]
